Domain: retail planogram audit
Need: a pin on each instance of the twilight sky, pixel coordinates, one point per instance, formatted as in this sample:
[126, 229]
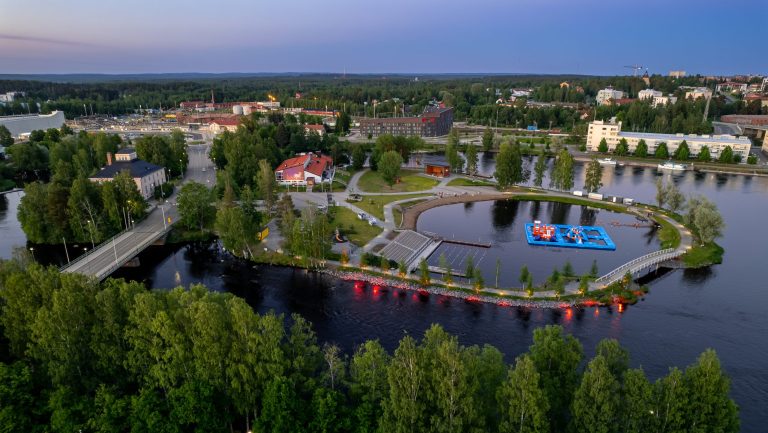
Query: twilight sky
[396, 36]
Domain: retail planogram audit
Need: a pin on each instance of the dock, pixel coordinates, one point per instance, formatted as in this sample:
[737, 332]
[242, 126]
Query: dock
[593, 237]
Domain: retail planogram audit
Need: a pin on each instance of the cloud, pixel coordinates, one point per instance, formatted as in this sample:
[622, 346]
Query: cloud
[35, 39]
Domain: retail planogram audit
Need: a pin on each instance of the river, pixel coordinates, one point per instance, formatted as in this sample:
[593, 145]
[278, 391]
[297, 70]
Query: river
[722, 307]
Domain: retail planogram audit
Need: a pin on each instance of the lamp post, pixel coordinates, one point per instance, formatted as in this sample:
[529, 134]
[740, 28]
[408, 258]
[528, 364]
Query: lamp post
[32, 251]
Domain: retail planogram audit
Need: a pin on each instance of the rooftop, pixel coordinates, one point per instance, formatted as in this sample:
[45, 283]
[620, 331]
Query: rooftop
[136, 168]
[126, 151]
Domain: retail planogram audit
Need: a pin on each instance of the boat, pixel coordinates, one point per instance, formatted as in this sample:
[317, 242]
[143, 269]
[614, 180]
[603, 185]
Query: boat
[669, 165]
[607, 161]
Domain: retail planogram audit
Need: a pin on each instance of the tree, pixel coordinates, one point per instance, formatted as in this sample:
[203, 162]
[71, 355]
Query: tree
[267, 185]
[523, 403]
[752, 159]
[471, 156]
[674, 198]
[509, 166]
[343, 123]
[682, 153]
[524, 274]
[384, 264]
[424, 273]
[661, 151]
[661, 193]
[726, 156]
[641, 150]
[196, 210]
[358, 156]
[637, 414]
[402, 269]
[562, 172]
[616, 357]
[469, 267]
[596, 401]
[556, 358]
[452, 383]
[705, 218]
[671, 403]
[443, 263]
[6, 139]
[603, 146]
[389, 166]
[452, 156]
[710, 406]
[487, 139]
[622, 148]
[594, 176]
[583, 284]
[704, 154]
[405, 406]
[479, 280]
[540, 168]
[568, 269]
[368, 383]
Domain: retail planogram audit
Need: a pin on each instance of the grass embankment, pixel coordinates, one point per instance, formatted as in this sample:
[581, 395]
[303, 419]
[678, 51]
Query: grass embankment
[669, 235]
[460, 181]
[397, 212]
[703, 255]
[374, 204]
[357, 231]
[410, 181]
[571, 200]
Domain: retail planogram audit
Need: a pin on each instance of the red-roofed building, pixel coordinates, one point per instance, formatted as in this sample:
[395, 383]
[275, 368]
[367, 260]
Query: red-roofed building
[224, 124]
[305, 169]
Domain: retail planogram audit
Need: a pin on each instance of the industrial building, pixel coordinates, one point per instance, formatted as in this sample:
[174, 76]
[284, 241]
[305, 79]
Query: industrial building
[147, 176]
[433, 122]
[612, 134]
[24, 124]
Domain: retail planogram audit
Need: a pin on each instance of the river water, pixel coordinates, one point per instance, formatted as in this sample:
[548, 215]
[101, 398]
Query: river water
[722, 307]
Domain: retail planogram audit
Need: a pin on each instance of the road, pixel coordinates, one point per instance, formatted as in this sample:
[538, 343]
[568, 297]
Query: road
[110, 255]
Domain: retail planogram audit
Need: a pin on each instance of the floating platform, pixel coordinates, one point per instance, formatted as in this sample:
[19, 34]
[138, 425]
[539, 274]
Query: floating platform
[568, 236]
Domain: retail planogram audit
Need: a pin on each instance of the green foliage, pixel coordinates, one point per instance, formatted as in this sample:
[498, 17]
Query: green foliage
[641, 150]
[452, 154]
[358, 156]
[524, 274]
[389, 166]
[471, 156]
[540, 168]
[166, 151]
[603, 146]
[704, 154]
[196, 210]
[6, 139]
[487, 139]
[726, 156]
[596, 400]
[682, 153]
[752, 159]
[593, 180]
[661, 151]
[562, 171]
[424, 277]
[704, 217]
[509, 166]
[622, 148]
[524, 406]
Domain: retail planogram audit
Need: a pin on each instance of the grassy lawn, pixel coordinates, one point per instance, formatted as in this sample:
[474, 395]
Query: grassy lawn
[705, 255]
[668, 234]
[357, 231]
[571, 200]
[410, 181]
[374, 204]
[460, 181]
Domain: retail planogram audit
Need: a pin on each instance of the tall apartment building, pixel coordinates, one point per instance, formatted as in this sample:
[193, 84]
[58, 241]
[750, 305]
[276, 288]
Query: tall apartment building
[605, 95]
[612, 134]
[433, 122]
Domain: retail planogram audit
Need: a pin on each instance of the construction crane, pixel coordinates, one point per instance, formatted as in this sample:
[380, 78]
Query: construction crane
[636, 68]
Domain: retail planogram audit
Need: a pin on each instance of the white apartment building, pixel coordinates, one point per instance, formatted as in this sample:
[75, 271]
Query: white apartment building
[677, 74]
[612, 134]
[648, 94]
[603, 96]
[698, 92]
[660, 101]
[731, 87]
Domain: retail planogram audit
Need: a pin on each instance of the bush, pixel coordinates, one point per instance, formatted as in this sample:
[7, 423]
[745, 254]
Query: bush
[164, 190]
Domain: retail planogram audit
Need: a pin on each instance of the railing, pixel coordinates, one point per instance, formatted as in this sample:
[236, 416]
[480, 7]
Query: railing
[92, 250]
[136, 250]
[646, 260]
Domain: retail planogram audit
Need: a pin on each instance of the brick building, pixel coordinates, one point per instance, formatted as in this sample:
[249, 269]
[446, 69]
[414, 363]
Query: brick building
[433, 122]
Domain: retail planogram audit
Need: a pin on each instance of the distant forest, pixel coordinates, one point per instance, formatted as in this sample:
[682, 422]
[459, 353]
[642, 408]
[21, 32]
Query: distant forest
[474, 97]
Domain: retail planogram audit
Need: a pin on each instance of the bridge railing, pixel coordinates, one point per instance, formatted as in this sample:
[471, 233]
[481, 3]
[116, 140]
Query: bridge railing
[136, 250]
[92, 250]
[648, 259]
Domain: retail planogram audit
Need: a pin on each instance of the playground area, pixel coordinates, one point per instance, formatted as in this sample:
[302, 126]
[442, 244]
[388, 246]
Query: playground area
[568, 236]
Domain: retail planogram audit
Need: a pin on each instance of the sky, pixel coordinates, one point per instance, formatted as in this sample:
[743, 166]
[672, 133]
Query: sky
[385, 36]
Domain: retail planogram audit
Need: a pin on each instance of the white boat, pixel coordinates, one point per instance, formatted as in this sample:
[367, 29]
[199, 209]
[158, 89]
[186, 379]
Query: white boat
[607, 161]
[672, 166]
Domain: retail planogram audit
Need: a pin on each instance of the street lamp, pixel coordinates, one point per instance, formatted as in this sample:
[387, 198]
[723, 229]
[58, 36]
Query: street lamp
[32, 250]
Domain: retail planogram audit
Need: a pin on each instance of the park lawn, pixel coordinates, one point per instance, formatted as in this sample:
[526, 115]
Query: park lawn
[668, 234]
[410, 181]
[461, 181]
[704, 255]
[374, 204]
[359, 232]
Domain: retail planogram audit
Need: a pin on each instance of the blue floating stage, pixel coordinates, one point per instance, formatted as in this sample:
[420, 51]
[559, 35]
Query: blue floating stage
[568, 236]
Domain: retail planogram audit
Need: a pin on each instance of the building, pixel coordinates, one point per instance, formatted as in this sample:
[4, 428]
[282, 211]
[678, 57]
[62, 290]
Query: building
[731, 87]
[697, 92]
[433, 122]
[10, 97]
[677, 74]
[24, 124]
[314, 129]
[605, 95]
[612, 134]
[218, 126]
[648, 94]
[147, 176]
[305, 169]
[660, 101]
[436, 166]
[764, 85]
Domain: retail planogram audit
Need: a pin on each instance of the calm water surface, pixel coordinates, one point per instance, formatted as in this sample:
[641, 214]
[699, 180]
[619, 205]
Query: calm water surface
[722, 307]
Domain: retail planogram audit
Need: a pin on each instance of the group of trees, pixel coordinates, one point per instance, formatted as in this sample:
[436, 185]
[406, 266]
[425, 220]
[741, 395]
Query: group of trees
[681, 153]
[509, 166]
[115, 357]
[166, 151]
[70, 207]
[307, 235]
[702, 215]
